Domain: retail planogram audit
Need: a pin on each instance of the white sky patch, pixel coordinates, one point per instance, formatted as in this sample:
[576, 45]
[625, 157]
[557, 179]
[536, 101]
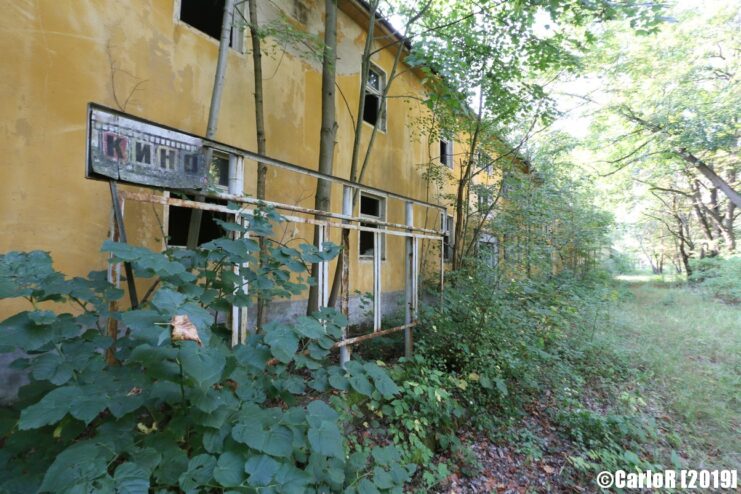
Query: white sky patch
[543, 27]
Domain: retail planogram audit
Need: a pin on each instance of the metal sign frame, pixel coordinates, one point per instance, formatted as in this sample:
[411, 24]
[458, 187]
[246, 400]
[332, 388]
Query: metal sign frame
[323, 220]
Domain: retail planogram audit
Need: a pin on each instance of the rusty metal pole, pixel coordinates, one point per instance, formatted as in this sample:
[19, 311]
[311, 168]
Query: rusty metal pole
[345, 278]
[118, 214]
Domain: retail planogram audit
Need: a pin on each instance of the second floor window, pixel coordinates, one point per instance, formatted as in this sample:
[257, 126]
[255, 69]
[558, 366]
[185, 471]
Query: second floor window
[374, 109]
[207, 16]
[446, 152]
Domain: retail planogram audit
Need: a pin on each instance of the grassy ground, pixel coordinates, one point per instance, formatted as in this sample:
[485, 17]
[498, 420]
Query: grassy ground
[686, 349]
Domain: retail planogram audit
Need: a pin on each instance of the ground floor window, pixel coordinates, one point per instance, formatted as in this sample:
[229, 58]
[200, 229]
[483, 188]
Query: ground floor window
[489, 250]
[178, 224]
[373, 207]
[448, 238]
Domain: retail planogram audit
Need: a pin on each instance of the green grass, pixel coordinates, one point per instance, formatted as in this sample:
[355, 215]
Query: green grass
[685, 348]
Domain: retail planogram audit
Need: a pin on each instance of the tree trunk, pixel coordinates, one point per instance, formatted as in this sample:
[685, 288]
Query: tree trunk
[461, 199]
[710, 174]
[729, 235]
[262, 169]
[194, 228]
[702, 217]
[328, 131]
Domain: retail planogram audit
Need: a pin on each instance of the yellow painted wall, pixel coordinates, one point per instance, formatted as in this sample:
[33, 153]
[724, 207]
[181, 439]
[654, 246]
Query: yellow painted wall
[59, 55]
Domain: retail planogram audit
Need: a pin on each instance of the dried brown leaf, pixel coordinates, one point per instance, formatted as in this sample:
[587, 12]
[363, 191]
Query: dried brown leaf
[184, 330]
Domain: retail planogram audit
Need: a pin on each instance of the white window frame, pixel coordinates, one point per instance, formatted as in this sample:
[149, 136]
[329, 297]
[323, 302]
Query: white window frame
[382, 217]
[238, 29]
[492, 245]
[230, 171]
[449, 232]
[382, 114]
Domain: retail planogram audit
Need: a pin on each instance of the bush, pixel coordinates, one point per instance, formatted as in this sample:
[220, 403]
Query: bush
[720, 276]
[172, 408]
[503, 342]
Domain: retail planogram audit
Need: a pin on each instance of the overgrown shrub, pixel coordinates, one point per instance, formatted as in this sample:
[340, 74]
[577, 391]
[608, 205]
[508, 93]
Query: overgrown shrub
[421, 420]
[162, 410]
[720, 276]
[504, 341]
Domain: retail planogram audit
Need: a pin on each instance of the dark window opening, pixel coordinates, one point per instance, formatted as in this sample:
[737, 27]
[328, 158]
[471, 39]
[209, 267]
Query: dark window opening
[373, 111]
[446, 153]
[370, 207]
[448, 240]
[366, 241]
[179, 224]
[207, 16]
[370, 110]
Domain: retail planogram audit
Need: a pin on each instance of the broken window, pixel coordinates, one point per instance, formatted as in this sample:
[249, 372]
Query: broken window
[373, 110]
[218, 171]
[178, 223]
[446, 152]
[371, 207]
[448, 238]
[207, 16]
[489, 250]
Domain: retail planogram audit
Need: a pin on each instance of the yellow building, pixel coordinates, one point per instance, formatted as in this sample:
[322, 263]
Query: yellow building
[155, 60]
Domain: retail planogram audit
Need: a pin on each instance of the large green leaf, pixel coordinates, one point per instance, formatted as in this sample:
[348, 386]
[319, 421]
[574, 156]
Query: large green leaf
[75, 468]
[318, 411]
[309, 327]
[200, 471]
[203, 364]
[24, 333]
[130, 478]
[89, 402]
[168, 301]
[262, 469]
[51, 367]
[265, 435]
[50, 409]
[229, 470]
[145, 324]
[383, 382]
[283, 343]
[325, 439]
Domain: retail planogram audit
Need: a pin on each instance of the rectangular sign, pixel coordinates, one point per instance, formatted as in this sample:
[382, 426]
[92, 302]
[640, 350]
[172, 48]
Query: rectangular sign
[132, 150]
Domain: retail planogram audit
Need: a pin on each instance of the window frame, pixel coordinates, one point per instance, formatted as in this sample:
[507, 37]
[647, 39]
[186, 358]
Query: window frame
[488, 246]
[238, 28]
[447, 157]
[484, 158]
[382, 217]
[448, 236]
[382, 113]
